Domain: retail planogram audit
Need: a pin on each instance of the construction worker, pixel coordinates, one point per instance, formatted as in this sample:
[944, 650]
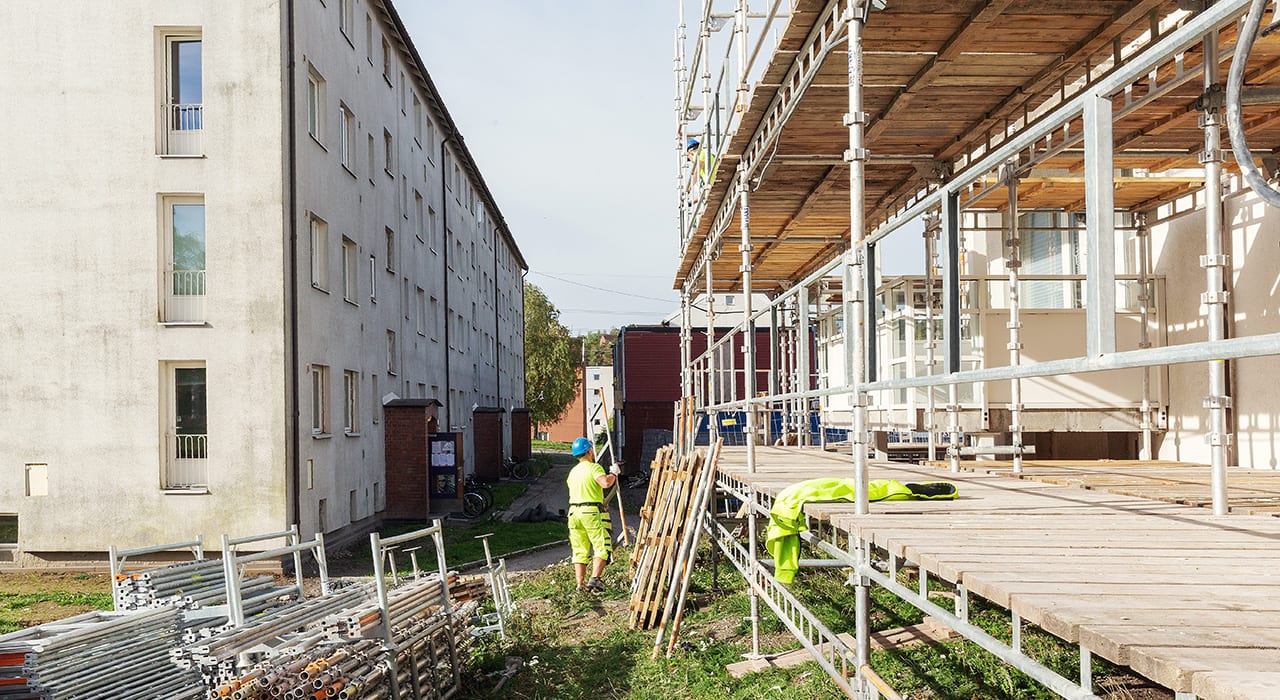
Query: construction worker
[704, 165]
[590, 528]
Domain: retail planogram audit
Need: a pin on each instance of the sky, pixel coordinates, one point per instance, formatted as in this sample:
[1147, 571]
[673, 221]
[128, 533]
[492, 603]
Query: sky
[566, 106]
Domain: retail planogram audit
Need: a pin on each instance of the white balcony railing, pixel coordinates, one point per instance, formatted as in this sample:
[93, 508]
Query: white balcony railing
[183, 129]
[187, 461]
[184, 296]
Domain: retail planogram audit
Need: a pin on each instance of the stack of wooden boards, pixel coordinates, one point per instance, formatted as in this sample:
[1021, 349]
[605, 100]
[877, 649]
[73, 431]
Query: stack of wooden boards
[660, 559]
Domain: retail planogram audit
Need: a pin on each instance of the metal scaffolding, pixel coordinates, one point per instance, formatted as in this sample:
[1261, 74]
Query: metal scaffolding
[744, 112]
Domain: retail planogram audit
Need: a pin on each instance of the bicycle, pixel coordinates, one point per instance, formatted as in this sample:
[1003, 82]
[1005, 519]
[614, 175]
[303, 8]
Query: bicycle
[515, 470]
[477, 498]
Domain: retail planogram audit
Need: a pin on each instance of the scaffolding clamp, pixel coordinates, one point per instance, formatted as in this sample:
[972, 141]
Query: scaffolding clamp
[1217, 402]
[1218, 439]
[1013, 264]
[1013, 346]
[858, 154]
[1220, 260]
[1214, 156]
[1218, 297]
[1213, 99]
[1013, 325]
[851, 118]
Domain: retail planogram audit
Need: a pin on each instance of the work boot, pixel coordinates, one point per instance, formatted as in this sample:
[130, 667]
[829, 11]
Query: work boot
[595, 585]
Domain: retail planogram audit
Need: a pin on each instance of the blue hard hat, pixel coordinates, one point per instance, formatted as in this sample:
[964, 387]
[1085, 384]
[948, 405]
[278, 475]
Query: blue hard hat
[580, 447]
[691, 143]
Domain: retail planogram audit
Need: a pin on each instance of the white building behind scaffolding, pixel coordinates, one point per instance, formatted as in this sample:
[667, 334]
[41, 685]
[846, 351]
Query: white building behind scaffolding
[231, 237]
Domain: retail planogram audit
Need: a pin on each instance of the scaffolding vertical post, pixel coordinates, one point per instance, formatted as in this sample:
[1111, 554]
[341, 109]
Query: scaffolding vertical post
[686, 370]
[712, 356]
[1100, 228]
[1214, 261]
[749, 388]
[774, 362]
[1143, 234]
[805, 385]
[932, 224]
[951, 318]
[856, 325]
[1013, 263]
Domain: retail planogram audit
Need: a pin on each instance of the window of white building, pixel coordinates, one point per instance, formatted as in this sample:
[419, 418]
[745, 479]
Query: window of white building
[351, 402]
[319, 400]
[346, 137]
[183, 286]
[350, 270]
[315, 104]
[187, 428]
[392, 354]
[388, 154]
[347, 19]
[391, 250]
[422, 311]
[319, 254]
[373, 279]
[182, 94]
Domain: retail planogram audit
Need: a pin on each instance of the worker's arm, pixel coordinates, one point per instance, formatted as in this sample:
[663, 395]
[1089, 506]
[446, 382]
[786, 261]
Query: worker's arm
[606, 480]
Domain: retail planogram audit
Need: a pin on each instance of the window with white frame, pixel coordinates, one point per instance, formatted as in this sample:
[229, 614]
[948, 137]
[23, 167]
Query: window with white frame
[373, 279]
[346, 136]
[187, 434]
[319, 400]
[315, 104]
[422, 311]
[435, 320]
[368, 38]
[392, 354]
[388, 148]
[373, 167]
[432, 228]
[386, 60]
[391, 250]
[183, 291]
[182, 96]
[350, 402]
[420, 221]
[375, 399]
[350, 270]
[347, 19]
[319, 253]
[404, 106]
[417, 119]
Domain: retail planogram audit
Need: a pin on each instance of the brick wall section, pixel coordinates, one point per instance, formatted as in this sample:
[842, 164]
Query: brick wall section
[486, 424]
[407, 459]
[641, 416]
[521, 435]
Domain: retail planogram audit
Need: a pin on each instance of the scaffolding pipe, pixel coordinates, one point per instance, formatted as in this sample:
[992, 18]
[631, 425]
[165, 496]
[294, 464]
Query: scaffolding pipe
[803, 363]
[1215, 296]
[1143, 235]
[713, 360]
[1015, 319]
[932, 225]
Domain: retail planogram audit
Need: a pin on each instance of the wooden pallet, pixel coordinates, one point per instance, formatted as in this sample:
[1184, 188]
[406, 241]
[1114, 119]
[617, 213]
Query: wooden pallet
[662, 523]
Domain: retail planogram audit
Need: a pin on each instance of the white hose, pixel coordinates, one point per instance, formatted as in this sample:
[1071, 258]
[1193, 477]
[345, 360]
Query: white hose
[1235, 120]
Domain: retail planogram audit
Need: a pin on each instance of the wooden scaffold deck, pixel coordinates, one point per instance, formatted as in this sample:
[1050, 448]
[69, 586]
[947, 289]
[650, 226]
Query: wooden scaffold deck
[1175, 593]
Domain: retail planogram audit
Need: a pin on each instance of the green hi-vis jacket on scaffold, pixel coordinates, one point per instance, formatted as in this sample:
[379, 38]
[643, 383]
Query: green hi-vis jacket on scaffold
[786, 518]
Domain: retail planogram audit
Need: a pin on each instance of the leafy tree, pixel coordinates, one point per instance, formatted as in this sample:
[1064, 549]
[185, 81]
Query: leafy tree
[598, 347]
[550, 359]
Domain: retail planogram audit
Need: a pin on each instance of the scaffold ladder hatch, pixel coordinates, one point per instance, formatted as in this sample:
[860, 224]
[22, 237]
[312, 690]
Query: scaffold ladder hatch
[598, 422]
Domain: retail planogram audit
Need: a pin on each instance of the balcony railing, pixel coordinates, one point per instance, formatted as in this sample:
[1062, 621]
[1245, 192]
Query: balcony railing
[183, 129]
[184, 296]
[186, 466]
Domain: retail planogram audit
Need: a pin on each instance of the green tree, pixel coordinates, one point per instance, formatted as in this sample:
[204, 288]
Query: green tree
[551, 360]
[598, 347]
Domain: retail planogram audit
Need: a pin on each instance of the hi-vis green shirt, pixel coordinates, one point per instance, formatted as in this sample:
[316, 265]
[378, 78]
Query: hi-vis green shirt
[583, 487]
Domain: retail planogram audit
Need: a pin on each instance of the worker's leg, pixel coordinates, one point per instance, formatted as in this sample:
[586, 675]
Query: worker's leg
[601, 539]
[580, 542]
[597, 567]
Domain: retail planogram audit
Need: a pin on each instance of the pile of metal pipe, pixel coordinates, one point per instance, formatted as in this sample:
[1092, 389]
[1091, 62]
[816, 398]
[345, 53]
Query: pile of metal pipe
[97, 655]
[192, 585]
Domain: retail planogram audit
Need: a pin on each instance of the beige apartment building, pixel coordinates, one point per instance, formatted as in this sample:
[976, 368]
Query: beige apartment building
[233, 230]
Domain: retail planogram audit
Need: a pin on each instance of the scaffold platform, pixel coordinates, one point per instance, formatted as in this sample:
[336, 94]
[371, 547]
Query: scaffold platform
[1169, 590]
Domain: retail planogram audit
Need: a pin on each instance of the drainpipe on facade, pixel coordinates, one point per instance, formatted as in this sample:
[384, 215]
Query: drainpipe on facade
[293, 507]
[448, 312]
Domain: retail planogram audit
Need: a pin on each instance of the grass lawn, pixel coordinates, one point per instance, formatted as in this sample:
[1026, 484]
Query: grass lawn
[549, 446]
[460, 544]
[28, 599]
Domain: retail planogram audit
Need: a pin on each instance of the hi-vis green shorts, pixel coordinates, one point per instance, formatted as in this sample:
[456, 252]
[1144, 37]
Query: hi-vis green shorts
[590, 529]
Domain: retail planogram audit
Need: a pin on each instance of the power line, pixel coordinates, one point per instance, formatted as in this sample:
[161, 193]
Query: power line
[602, 289]
[605, 274]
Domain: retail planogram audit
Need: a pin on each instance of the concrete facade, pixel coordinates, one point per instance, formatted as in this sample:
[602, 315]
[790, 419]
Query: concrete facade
[350, 253]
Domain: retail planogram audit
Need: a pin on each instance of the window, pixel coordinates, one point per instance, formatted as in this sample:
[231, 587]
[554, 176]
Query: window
[347, 19]
[183, 95]
[417, 120]
[386, 60]
[185, 244]
[422, 311]
[319, 400]
[350, 270]
[37, 478]
[391, 250]
[431, 141]
[311, 474]
[373, 279]
[405, 299]
[375, 400]
[368, 38]
[187, 439]
[319, 254]
[351, 402]
[435, 320]
[347, 126]
[351, 506]
[387, 147]
[420, 221]
[315, 103]
[403, 105]
[373, 168]
[392, 358]
[432, 230]
[322, 515]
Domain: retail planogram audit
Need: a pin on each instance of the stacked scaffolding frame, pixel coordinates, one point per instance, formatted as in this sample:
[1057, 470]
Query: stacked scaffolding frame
[937, 108]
